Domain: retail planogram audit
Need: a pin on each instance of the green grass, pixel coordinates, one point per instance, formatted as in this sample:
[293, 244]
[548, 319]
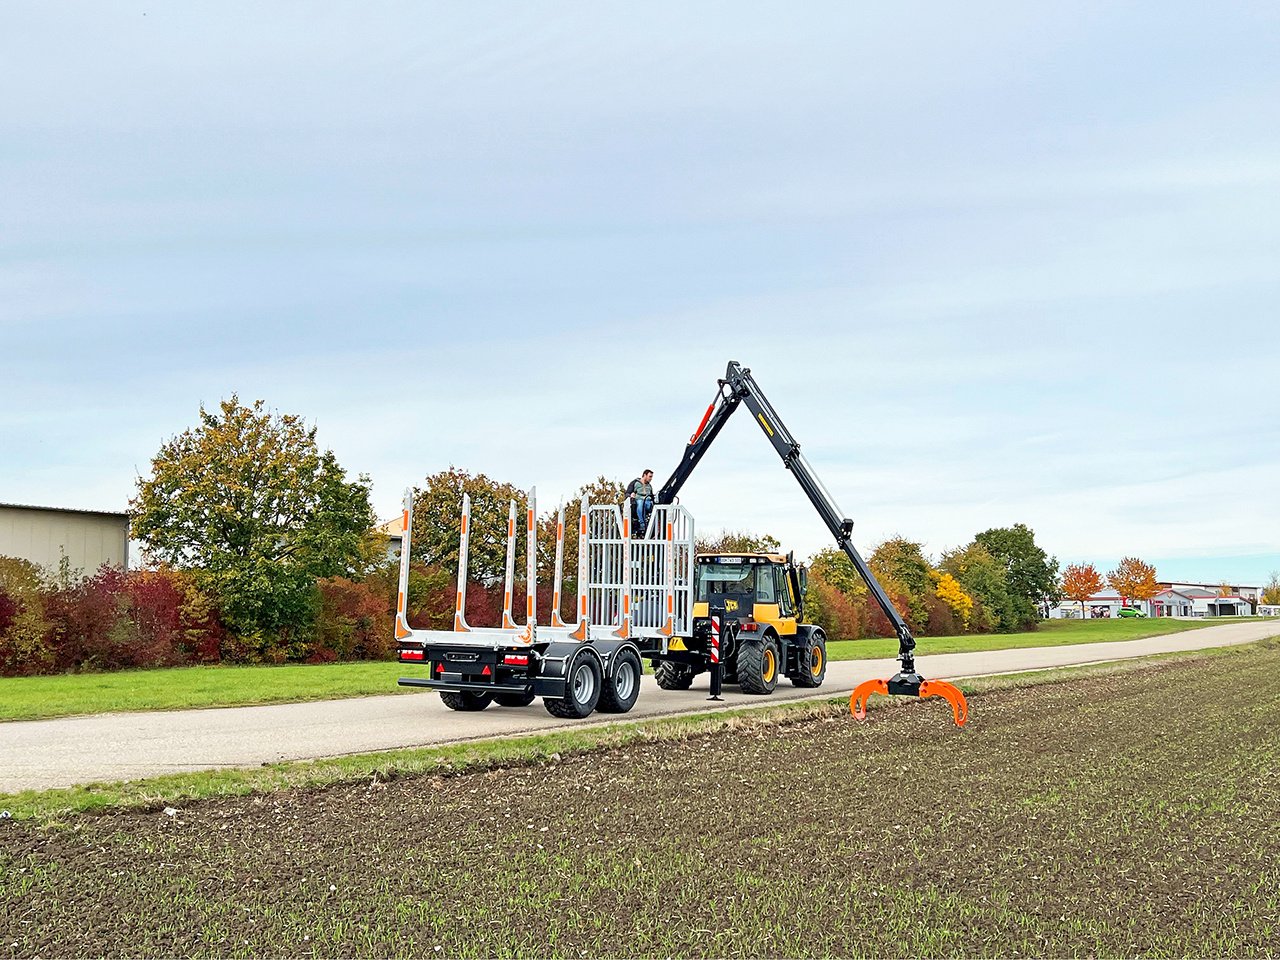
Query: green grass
[1051, 633]
[182, 688]
[34, 698]
[54, 807]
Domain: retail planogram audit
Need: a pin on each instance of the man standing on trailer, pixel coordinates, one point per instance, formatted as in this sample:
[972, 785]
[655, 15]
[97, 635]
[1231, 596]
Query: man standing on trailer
[640, 492]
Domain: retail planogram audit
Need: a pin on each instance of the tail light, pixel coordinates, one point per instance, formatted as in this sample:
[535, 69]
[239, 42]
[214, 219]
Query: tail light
[516, 659]
[411, 655]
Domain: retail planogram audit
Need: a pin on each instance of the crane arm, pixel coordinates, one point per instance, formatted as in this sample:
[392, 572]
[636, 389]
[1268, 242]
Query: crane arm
[740, 387]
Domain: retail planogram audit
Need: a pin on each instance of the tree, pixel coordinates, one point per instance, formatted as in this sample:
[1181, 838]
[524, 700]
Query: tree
[1224, 589]
[739, 541]
[947, 589]
[983, 578]
[1080, 581]
[1031, 575]
[902, 568]
[249, 503]
[1271, 593]
[1133, 579]
[437, 523]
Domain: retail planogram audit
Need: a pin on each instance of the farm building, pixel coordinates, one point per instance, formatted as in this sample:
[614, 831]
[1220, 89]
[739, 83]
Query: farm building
[44, 535]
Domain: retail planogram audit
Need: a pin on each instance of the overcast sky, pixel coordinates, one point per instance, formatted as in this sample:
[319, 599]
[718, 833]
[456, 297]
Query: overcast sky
[992, 262]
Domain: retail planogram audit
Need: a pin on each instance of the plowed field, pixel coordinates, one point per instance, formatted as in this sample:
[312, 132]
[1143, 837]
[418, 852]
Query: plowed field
[1120, 815]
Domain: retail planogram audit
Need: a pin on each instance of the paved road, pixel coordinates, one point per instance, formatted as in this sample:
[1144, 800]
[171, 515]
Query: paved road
[42, 754]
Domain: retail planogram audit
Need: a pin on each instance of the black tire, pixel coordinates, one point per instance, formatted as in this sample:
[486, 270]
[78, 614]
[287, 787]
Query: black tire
[621, 690]
[673, 676]
[514, 699]
[464, 700]
[758, 665]
[582, 690]
[812, 667]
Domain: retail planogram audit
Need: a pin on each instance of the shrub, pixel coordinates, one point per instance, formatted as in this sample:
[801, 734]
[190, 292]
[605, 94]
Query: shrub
[24, 643]
[352, 623]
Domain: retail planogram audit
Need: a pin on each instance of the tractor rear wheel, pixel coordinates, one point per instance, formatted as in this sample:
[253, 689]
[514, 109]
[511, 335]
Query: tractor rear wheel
[812, 668]
[757, 665]
[465, 700]
[673, 676]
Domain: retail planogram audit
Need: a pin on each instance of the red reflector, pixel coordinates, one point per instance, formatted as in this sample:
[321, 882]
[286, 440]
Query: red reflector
[516, 659]
[439, 668]
[486, 672]
[750, 627]
[411, 655]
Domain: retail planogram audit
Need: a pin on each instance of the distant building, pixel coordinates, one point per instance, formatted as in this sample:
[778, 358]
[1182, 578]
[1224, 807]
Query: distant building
[394, 531]
[1240, 601]
[44, 535]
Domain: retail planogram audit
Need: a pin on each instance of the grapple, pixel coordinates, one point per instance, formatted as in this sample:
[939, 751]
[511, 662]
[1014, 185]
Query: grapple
[906, 682]
[900, 685]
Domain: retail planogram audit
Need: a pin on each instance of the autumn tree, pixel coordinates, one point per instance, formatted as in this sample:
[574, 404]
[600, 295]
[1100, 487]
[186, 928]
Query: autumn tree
[1031, 575]
[836, 596]
[249, 502]
[1224, 589]
[948, 590]
[437, 523]
[1080, 581]
[1271, 592]
[902, 568]
[1133, 579]
[984, 579]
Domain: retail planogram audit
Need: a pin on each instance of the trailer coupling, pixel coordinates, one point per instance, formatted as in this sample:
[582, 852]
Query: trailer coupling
[910, 685]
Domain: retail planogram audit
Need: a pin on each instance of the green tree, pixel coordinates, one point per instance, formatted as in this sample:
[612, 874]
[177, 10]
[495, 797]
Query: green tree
[437, 523]
[902, 562]
[983, 578]
[250, 504]
[1031, 575]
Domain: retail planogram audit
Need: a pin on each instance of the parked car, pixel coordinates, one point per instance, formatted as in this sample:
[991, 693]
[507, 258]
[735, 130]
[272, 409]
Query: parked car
[1129, 612]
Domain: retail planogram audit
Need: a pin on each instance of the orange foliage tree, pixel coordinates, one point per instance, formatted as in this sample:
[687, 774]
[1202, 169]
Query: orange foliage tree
[1133, 579]
[1080, 581]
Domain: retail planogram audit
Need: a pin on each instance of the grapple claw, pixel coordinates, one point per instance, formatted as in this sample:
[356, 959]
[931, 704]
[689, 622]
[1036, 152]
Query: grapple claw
[862, 693]
[919, 688]
[950, 693]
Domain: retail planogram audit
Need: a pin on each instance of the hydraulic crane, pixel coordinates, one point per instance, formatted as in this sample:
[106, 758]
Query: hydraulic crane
[740, 387]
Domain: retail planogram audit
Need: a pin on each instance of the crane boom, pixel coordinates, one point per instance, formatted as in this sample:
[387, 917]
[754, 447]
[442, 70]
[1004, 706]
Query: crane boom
[740, 387]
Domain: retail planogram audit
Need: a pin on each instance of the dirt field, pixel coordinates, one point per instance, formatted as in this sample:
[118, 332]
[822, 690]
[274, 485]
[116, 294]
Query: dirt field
[1133, 814]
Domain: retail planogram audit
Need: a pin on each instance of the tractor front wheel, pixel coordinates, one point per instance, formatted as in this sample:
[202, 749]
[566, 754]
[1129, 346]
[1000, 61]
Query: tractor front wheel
[757, 665]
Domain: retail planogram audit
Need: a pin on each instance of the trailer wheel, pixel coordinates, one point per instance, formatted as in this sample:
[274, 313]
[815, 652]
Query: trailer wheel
[514, 699]
[673, 676]
[582, 690]
[621, 691]
[757, 665]
[812, 668]
[464, 700]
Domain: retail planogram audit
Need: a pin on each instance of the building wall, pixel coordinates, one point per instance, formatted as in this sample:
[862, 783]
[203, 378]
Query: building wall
[42, 536]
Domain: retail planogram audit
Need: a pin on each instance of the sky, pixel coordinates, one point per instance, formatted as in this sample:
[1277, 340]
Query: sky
[991, 262]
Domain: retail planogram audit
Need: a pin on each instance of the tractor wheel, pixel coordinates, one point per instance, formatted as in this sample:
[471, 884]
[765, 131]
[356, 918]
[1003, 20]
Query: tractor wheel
[514, 699]
[582, 690]
[758, 665]
[673, 676]
[812, 668]
[464, 700]
[621, 690]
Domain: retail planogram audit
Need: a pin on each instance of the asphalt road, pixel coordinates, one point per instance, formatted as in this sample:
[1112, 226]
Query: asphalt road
[43, 754]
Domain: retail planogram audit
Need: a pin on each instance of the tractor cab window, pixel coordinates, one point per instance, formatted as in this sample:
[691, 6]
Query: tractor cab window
[718, 579]
[785, 606]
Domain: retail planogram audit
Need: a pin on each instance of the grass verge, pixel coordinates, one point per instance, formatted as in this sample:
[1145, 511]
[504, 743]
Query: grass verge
[54, 807]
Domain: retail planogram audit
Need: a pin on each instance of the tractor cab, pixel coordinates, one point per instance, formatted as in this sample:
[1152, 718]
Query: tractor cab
[760, 587]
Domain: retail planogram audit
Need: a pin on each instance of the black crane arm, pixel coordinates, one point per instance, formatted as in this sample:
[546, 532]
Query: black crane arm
[739, 387]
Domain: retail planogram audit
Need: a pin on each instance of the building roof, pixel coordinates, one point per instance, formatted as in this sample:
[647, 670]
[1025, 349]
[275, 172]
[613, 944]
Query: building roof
[94, 513]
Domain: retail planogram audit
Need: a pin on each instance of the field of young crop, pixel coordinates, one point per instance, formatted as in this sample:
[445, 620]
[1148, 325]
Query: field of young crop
[1116, 815]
